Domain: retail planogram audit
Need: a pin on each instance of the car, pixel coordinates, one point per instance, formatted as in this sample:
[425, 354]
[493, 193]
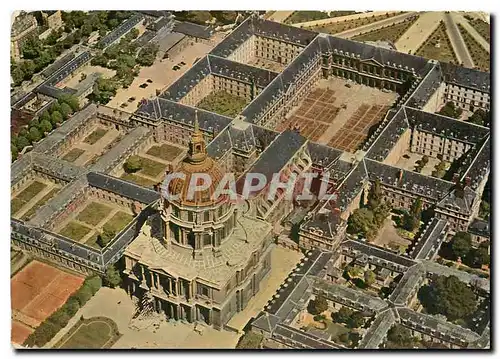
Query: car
[175, 68]
[123, 105]
[149, 81]
[348, 85]
[182, 63]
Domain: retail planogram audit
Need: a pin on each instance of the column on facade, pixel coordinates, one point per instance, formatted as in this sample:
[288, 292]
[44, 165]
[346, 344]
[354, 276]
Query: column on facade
[142, 273]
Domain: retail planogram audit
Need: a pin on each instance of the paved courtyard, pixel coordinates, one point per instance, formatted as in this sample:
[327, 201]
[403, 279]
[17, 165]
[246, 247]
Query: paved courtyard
[117, 305]
[283, 260]
[161, 74]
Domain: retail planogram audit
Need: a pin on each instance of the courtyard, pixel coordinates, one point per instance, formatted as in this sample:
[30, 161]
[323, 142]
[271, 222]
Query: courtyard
[161, 74]
[223, 103]
[92, 145]
[339, 113]
[94, 217]
[31, 196]
[154, 161]
[117, 306]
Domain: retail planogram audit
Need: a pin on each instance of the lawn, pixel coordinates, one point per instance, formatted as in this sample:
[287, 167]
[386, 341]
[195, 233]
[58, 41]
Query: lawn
[223, 103]
[72, 155]
[444, 52]
[390, 33]
[141, 181]
[118, 221]
[75, 231]
[151, 168]
[345, 25]
[31, 191]
[479, 55]
[165, 152]
[40, 203]
[483, 28]
[25, 196]
[304, 16]
[93, 333]
[92, 242]
[93, 213]
[95, 136]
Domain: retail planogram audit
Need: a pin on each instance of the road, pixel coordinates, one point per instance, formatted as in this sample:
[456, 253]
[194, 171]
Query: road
[457, 42]
[416, 35]
[375, 26]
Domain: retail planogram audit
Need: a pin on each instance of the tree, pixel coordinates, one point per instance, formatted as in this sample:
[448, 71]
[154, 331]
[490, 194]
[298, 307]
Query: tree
[34, 134]
[133, 164]
[105, 236]
[112, 277]
[45, 116]
[343, 315]
[66, 110]
[60, 318]
[56, 118]
[55, 107]
[318, 305]
[448, 296]
[71, 306]
[411, 219]
[45, 126]
[356, 320]
[22, 142]
[83, 295]
[14, 152]
[70, 100]
[375, 195]
[400, 335]
[481, 255]
[147, 55]
[369, 277]
[94, 283]
[360, 222]
[450, 110]
[42, 334]
[461, 244]
[484, 210]
[381, 213]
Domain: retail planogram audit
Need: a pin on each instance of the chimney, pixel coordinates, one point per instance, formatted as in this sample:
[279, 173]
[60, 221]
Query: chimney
[400, 177]
[456, 178]
[467, 181]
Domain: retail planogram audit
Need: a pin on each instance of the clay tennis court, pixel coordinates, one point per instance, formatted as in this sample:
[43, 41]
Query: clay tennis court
[355, 130]
[316, 113]
[37, 291]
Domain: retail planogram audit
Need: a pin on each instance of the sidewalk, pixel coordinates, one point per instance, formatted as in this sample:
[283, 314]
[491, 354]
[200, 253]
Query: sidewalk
[458, 18]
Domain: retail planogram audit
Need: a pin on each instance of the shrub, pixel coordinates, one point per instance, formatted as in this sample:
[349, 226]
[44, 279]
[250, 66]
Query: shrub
[133, 164]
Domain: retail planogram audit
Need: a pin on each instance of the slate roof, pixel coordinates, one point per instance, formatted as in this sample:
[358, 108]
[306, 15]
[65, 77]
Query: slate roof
[386, 57]
[424, 186]
[233, 40]
[459, 202]
[375, 253]
[301, 339]
[275, 30]
[325, 219]
[160, 108]
[430, 240]
[387, 136]
[434, 268]
[20, 168]
[426, 88]
[481, 164]
[58, 64]
[193, 30]
[145, 38]
[441, 329]
[184, 84]
[378, 330]
[466, 77]
[277, 155]
[263, 136]
[124, 148]
[480, 227]
[411, 279]
[321, 155]
[121, 187]
[121, 30]
[446, 126]
[351, 186]
[56, 167]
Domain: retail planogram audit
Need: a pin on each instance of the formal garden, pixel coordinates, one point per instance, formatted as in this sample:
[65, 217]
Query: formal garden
[438, 46]
[91, 333]
[390, 33]
[480, 56]
[340, 26]
[305, 16]
[223, 103]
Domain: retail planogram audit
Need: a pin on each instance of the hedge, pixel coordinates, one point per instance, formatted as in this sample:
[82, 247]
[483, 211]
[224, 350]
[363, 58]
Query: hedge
[60, 318]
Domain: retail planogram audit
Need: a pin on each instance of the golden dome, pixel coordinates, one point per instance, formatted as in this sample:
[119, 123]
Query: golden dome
[196, 161]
